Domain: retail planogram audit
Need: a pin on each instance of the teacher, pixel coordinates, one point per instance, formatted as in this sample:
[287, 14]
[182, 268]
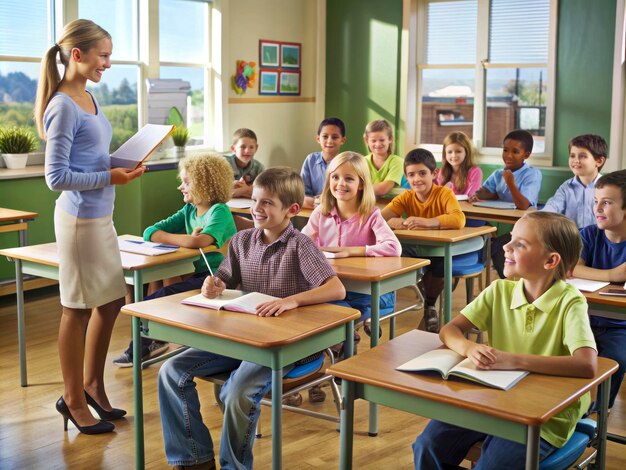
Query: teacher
[78, 164]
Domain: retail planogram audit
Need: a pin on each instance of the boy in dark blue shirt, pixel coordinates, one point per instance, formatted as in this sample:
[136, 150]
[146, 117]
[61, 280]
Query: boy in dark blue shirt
[604, 259]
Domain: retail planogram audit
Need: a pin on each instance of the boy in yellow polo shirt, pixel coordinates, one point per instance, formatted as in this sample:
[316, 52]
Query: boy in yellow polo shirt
[537, 323]
[427, 206]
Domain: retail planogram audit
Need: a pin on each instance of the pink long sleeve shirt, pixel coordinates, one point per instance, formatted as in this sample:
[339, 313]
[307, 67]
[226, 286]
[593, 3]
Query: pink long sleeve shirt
[375, 235]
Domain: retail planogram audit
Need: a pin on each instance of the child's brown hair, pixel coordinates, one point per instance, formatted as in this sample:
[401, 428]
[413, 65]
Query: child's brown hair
[459, 138]
[592, 142]
[284, 183]
[558, 234]
[380, 125]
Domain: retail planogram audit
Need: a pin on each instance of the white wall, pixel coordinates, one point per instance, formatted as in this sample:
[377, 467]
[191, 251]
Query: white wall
[286, 130]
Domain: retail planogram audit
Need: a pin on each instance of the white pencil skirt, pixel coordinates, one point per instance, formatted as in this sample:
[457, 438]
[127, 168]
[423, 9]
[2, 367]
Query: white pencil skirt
[90, 267]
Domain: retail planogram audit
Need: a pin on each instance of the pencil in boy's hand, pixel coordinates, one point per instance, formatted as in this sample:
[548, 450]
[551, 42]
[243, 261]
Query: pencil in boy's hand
[206, 261]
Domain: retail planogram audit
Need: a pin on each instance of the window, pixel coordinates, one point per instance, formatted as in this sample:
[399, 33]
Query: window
[29, 27]
[483, 68]
[183, 45]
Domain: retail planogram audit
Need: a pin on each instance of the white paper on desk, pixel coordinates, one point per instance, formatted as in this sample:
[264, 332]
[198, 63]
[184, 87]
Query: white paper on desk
[239, 203]
[146, 248]
[586, 285]
[139, 147]
[495, 204]
[462, 197]
[329, 254]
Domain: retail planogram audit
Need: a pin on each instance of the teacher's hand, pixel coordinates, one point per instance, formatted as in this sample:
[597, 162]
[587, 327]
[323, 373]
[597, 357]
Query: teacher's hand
[125, 175]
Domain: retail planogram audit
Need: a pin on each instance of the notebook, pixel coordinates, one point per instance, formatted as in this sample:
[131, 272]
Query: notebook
[231, 299]
[586, 285]
[449, 363]
[496, 204]
[146, 248]
[139, 147]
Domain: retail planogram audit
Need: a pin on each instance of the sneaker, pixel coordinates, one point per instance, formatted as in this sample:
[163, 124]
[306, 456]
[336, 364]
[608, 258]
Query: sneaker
[294, 399]
[431, 319]
[316, 394]
[154, 349]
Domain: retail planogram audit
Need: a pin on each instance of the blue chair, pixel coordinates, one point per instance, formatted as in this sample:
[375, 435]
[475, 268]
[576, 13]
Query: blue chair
[563, 458]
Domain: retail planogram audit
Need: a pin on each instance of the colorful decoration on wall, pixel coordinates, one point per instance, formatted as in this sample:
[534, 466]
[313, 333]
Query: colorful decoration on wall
[244, 77]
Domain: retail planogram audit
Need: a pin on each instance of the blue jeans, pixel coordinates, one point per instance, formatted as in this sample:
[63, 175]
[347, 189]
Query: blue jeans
[187, 439]
[611, 343]
[443, 446]
[363, 303]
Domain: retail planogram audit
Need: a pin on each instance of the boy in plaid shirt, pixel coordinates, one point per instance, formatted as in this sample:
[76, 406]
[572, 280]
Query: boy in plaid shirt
[273, 258]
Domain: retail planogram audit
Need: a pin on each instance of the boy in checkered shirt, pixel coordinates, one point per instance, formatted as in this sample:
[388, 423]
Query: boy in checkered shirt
[273, 258]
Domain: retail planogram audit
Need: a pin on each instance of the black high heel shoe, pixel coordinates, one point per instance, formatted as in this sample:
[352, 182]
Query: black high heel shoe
[115, 413]
[98, 428]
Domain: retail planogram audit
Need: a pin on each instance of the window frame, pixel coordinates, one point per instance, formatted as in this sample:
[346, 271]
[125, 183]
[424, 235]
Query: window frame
[417, 24]
[148, 62]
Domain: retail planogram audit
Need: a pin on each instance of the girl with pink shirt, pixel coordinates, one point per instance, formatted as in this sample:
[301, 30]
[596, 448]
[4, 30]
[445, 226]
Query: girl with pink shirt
[348, 223]
[458, 170]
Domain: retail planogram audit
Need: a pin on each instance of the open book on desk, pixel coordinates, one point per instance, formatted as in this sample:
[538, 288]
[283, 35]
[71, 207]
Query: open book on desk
[138, 148]
[449, 363]
[231, 299]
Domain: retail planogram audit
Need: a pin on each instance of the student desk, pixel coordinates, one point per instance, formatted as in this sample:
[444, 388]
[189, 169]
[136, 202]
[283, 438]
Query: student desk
[16, 221]
[269, 341]
[377, 276]
[516, 414]
[446, 244]
[507, 216]
[43, 260]
[612, 305]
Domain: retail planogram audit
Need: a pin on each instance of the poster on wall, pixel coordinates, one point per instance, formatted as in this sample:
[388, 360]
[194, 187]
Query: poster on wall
[280, 64]
[268, 82]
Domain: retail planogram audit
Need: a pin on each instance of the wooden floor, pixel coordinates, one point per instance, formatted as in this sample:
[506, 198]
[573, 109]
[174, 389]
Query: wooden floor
[32, 436]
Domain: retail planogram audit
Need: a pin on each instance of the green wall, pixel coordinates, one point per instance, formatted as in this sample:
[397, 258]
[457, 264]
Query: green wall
[363, 72]
[141, 203]
[363, 64]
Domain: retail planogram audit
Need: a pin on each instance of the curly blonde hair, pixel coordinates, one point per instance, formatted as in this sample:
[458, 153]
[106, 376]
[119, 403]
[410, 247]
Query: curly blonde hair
[211, 177]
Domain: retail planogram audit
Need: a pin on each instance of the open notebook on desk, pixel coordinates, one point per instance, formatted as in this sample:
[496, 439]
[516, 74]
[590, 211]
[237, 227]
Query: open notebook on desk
[495, 204]
[586, 285]
[142, 247]
[449, 363]
[231, 299]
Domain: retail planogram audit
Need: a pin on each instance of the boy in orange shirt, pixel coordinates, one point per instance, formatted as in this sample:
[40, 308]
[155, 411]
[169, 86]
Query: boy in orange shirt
[427, 206]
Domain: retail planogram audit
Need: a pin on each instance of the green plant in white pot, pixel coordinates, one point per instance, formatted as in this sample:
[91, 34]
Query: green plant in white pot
[180, 136]
[15, 145]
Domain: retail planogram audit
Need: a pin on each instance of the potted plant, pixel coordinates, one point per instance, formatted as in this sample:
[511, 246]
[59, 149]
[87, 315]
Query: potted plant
[180, 136]
[15, 145]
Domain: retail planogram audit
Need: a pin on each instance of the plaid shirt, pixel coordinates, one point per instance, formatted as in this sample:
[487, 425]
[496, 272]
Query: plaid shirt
[290, 265]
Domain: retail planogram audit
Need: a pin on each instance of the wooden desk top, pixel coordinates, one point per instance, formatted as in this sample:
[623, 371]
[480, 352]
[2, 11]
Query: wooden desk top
[9, 215]
[374, 269]
[532, 401]
[264, 332]
[46, 253]
[442, 235]
[509, 216]
[614, 300]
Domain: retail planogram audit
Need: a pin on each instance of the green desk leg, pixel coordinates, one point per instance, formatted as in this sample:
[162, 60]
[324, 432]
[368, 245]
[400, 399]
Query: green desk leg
[375, 324]
[277, 416]
[604, 391]
[346, 425]
[532, 447]
[21, 324]
[447, 283]
[137, 379]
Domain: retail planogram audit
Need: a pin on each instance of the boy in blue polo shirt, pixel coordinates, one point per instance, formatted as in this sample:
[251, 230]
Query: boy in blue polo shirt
[331, 135]
[517, 182]
[574, 198]
[604, 259]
